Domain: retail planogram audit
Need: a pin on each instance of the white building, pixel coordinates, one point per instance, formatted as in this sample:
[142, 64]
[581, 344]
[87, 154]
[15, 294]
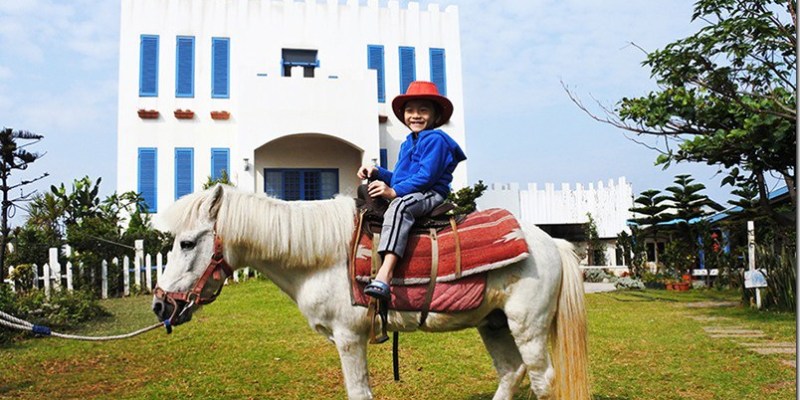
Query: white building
[306, 87]
[563, 212]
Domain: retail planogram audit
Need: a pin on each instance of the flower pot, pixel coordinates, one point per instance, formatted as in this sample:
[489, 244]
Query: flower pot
[220, 115]
[147, 114]
[184, 114]
[681, 287]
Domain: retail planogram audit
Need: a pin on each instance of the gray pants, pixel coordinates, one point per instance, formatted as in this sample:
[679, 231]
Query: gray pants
[400, 217]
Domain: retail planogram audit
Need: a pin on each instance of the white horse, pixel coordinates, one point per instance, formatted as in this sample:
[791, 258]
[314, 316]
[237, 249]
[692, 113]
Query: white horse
[303, 247]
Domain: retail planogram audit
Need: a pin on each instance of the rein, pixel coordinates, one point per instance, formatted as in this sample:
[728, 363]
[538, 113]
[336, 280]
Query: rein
[218, 269]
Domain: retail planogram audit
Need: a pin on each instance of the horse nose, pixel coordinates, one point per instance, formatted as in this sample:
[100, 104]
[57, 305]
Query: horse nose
[161, 309]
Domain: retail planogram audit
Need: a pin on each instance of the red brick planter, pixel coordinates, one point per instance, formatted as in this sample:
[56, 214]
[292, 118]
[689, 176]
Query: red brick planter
[147, 114]
[220, 115]
[184, 114]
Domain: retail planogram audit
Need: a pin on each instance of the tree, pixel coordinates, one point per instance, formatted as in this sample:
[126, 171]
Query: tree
[689, 206]
[13, 157]
[596, 247]
[465, 198]
[726, 95]
[223, 179]
[651, 205]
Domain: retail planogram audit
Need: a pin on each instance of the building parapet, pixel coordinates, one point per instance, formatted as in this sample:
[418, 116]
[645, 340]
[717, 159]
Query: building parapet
[607, 202]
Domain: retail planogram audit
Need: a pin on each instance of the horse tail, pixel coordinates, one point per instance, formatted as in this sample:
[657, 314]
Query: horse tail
[568, 335]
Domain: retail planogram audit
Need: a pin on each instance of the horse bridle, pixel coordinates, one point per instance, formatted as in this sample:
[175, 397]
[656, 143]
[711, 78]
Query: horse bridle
[218, 268]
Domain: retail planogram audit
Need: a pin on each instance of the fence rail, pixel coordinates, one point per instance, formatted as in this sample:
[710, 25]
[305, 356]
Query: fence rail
[57, 276]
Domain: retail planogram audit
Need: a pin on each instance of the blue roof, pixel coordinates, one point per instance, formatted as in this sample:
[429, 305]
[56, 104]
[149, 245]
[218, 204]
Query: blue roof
[726, 213]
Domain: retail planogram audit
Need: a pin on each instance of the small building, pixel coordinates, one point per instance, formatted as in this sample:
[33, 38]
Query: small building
[564, 212]
[286, 97]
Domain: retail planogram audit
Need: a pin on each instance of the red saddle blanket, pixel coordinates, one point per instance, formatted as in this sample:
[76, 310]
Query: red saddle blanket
[488, 240]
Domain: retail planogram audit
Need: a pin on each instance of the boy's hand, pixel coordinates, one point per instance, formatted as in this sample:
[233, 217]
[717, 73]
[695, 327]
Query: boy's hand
[366, 171]
[381, 189]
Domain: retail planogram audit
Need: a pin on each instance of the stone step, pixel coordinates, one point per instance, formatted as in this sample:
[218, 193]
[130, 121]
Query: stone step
[736, 335]
[772, 350]
[735, 331]
[768, 344]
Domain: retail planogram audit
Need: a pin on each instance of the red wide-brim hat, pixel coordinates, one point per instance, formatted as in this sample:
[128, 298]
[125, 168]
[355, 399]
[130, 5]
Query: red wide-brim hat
[422, 90]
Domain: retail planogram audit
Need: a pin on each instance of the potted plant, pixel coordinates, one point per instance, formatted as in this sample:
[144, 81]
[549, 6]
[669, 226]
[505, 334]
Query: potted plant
[184, 114]
[147, 114]
[220, 115]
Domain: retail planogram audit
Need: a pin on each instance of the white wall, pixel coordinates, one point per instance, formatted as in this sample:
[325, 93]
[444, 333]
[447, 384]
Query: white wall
[339, 101]
[607, 202]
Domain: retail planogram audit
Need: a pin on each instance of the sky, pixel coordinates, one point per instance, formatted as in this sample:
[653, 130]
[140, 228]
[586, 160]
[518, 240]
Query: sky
[59, 69]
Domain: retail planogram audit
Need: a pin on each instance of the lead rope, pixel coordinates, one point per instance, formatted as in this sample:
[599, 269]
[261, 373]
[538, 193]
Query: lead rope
[16, 323]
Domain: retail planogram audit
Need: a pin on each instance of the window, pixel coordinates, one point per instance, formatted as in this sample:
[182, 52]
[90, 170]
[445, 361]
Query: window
[408, 71]
[375, 61]
[220, 68]
[220, 161]
[184, 171]
[438, 75]
[301, 184]
[299, 58]
[184, 67]
[147, 179]
[148, 66]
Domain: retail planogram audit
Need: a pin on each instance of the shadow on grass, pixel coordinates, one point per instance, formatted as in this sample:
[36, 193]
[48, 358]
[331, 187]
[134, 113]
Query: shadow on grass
[639, 297]
[527, 395]
[4, 389]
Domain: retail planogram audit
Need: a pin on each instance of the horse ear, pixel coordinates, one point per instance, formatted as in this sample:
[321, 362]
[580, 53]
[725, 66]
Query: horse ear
[214, 202]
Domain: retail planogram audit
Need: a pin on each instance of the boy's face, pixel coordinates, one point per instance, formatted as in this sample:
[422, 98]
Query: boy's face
[419, 115]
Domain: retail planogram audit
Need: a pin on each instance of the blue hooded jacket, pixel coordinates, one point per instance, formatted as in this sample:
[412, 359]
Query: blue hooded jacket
[425, 162]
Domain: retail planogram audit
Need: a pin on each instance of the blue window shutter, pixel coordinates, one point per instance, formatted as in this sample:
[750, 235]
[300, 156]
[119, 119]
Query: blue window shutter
[408, 72]
[147, 185]
[438, 75]
[375, 61]
[220, 160]
[148, 66]
[184, 67]
[384, 159]
[184, 171]
[220, 68]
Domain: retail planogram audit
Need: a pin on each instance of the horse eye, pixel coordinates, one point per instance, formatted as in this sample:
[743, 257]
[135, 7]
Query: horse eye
[187, 245]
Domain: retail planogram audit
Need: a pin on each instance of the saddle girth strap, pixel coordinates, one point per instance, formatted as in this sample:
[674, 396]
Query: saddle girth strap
[426, 306]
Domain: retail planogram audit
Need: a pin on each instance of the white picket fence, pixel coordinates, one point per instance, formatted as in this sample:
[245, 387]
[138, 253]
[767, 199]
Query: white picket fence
[55, 276]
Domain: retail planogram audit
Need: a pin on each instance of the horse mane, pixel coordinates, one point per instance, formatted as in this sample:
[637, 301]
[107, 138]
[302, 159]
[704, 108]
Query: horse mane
[304, 234]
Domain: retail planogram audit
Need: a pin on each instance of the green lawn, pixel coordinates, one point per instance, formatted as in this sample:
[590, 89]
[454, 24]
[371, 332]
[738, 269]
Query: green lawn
[253, 343]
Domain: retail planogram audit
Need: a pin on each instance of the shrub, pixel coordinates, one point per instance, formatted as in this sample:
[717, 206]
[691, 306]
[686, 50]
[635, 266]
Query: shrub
[64, 310]
[598, 275]
[629, 283]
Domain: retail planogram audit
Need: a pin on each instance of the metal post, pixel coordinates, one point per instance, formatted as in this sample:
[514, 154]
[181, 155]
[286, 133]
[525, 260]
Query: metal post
[751, 255]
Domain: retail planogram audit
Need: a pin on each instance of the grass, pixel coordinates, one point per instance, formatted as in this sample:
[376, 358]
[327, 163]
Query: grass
[253, 343]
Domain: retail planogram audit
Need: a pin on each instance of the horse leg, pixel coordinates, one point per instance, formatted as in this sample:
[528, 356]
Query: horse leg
[352, 349]
[506, 358]
[531, 340]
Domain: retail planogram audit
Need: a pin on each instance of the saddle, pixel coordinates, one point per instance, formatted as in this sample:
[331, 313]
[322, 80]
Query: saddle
[373, 210]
